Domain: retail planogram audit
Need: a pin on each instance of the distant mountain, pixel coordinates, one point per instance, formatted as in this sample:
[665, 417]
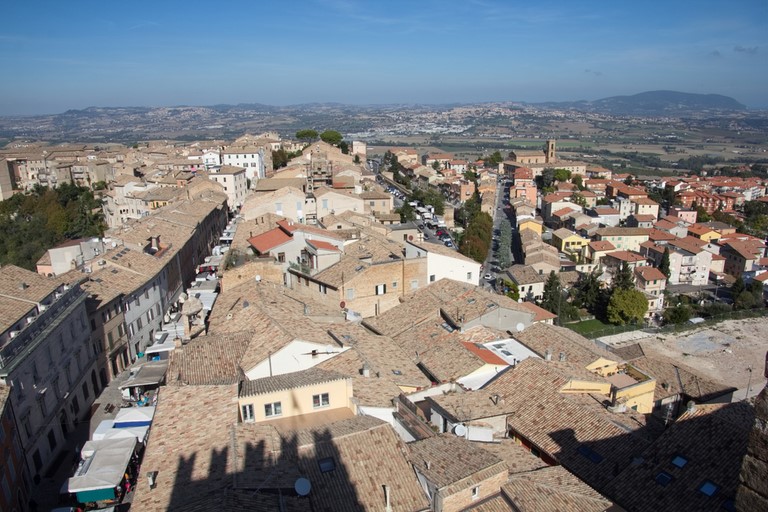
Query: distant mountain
[655, 103]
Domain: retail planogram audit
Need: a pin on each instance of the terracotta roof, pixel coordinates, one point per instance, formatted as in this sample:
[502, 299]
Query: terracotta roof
[649, 273]
[452, 463]
[628, 256]
[321, 244]
[287, 381]
[623, 231]
[659, 235]
[265, 242]
[601, 245]
[483, 353]
[706, 445]
[525, 274]
[576, 348]
[553, 489]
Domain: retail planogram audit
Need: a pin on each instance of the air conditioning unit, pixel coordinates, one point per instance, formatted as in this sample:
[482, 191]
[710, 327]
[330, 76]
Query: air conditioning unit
[13, 334]
[30, 319]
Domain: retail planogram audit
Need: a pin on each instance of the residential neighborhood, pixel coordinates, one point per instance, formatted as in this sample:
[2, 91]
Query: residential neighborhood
[322, 336]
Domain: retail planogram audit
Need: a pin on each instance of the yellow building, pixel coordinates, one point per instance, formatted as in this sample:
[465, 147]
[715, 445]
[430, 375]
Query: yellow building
[294, 394]
[531, 224]
[568, 242]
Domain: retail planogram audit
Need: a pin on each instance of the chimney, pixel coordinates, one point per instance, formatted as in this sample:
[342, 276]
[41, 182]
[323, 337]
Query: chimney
[547, 355]
[366, 370]
[562, 357]
[386, 498]
[691, 406]
[155, 243]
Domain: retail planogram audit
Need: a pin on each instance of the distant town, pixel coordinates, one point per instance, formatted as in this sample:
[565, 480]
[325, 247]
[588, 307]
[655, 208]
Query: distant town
[472, 308]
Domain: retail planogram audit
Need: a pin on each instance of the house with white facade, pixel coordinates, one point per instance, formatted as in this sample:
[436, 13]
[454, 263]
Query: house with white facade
[234, 181]
[249, 157]
[444, 263]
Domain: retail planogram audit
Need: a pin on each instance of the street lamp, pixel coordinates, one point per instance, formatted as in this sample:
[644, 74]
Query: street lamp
[749, 382]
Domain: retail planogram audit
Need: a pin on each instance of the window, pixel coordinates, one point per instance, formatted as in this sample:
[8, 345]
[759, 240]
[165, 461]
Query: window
[663, 478]
[469, 276]
[708, 488]
[146, 293]
[139, 325]
[111, 339]
[279, 208]
[138, 301]
[273, 409]
[52, 439]
[475, 492]
[326, 465]
[432, 278]
[120, 330]
[325, 206]
[414, 284]
[321, 400]
[394, 284]
[381, 289]
[85, 390]
[247, 411]
[589, 453]
[350, 293]
[679, 461]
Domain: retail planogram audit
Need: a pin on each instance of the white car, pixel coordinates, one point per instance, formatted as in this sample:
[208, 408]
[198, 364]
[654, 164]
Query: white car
[488, 277]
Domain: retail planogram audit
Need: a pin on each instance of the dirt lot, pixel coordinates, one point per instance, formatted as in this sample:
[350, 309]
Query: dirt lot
[723, 352]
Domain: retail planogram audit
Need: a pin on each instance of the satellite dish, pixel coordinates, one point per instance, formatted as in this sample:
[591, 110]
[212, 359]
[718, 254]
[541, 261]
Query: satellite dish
[520, 326]
[302, 486]
[460, 430]
[258, 278]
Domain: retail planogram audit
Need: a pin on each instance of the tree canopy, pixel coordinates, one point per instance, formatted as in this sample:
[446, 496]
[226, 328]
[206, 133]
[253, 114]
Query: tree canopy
[627, 306]
[307, 135]
[331, 137]
[42, 218]
[623, 279]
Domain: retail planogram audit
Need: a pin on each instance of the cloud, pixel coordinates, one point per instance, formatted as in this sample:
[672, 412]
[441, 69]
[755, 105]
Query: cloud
[750, 50]
[715, 54]
[592, 72]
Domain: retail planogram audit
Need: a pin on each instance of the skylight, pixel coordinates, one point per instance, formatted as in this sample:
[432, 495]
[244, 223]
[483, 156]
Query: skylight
[708, 488]
[679, 461]
[589, 453]
[326, 465]
[663, 478]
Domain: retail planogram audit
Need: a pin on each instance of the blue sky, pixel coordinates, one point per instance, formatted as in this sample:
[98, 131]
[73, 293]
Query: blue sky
[63, 55]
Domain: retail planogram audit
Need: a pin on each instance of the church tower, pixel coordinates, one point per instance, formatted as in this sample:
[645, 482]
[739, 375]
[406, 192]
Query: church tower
[551, 151]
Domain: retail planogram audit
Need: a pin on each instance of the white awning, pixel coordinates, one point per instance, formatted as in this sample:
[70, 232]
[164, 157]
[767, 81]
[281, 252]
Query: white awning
[135, 417]
[107, 464]
[150, 374]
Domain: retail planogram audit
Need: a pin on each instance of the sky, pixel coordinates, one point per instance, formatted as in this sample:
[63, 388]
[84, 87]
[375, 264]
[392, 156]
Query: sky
[71, 55]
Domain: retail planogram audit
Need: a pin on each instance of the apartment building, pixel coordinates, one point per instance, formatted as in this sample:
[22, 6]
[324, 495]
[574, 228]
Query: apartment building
[47, 360]
[234, 181]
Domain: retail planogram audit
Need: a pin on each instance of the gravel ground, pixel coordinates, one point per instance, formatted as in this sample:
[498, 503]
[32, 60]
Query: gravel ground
[723, 352]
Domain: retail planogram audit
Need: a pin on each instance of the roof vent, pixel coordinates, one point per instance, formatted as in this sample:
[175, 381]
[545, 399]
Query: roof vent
[562, 357]
[691, 406]
[23, 286]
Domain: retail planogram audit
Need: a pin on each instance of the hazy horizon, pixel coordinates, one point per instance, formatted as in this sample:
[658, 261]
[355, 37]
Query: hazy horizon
[60, 58]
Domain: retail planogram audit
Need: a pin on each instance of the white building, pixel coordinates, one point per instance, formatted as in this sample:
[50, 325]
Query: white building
[444, 263]
[249, 157]
[234, 181]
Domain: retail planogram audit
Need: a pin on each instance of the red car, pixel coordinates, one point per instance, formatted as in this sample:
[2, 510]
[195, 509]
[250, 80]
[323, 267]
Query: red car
[439, 232]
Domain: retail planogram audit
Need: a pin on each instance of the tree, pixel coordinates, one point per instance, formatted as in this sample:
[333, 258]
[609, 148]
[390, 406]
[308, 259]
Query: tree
[588, 291]
[579, 199]
[737, 287]
[306, 135]
[664, 264]
[626, 306]
[552, 299]
[514, 291]
[578, 181]
[755, 287]
[562, 175]
[677, 315]
[623, 279]
[344, 147]
[406, 213]
[331, 137]
[744, 300]
[436, 165]
[493, 160]
[357, 159]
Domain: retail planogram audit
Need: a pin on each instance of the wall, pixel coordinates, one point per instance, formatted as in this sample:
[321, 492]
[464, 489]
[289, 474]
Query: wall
[298, 401]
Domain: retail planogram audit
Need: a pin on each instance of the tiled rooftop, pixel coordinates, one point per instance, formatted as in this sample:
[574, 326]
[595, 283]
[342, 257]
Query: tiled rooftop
[447, 460]
[287, 381]
[553, 489]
